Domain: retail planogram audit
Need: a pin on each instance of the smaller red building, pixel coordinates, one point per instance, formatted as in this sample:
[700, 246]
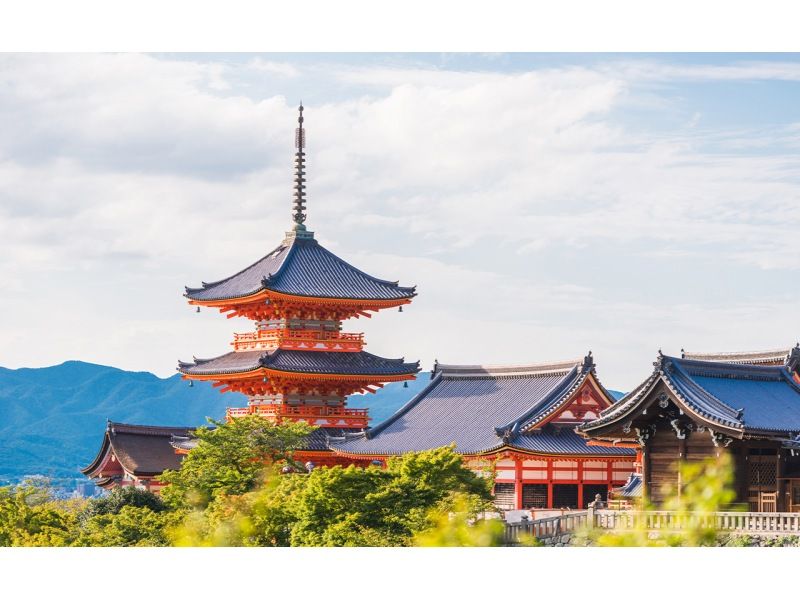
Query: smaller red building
[135, 455]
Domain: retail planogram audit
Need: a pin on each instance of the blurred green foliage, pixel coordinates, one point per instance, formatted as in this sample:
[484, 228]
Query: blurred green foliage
[706, 487]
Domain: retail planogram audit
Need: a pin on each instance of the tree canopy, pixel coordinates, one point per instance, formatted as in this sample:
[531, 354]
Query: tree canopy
[231, 458]
[233, 489]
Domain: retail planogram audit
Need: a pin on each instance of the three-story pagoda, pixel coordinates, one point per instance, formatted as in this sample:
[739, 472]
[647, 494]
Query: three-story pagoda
[298, 364]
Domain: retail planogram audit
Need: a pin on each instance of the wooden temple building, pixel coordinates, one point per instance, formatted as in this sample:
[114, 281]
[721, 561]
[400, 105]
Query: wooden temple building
[744, 404]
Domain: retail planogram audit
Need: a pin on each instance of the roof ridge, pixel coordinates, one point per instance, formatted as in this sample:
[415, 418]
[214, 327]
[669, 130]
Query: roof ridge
[393, 283]
[729, 369]
[293, 242]
[482, 371]
[733, 354]
[287, 242]
[146, 429]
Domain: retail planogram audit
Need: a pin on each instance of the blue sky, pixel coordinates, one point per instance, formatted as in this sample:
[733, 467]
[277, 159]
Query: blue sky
[545, 204]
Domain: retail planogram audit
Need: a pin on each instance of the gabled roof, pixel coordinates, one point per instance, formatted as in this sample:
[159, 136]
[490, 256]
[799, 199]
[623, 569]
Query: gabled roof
[317, 362]
[740, 398]
[301, 266]
[482, 409]
[140, 450]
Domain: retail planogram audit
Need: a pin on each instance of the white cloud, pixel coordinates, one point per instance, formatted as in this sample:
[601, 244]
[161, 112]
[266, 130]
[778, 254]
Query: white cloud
[124, 177]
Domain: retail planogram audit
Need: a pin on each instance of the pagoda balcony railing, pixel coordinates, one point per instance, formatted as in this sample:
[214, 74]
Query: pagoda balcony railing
[304, 340]
[310, 413]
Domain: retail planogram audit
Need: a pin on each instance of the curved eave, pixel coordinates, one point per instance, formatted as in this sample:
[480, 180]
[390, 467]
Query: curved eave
[265, 294]
[262, 372]
[93, 468]
[566, 456]
[492, 451]
[645, 399]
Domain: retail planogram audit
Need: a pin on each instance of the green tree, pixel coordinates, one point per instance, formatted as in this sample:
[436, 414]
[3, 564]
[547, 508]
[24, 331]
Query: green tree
[129, 496]
[231, 459]
[345, 506]
[29, 516]
[371, 506]
[129, 526]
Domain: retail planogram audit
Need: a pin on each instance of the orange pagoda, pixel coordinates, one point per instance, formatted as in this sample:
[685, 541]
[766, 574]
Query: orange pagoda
[297, 364]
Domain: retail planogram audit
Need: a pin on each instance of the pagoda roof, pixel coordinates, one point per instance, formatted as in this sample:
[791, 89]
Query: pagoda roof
[343, 363]
[739, 398]
[482, 409]
[301, 266]
[140, 450]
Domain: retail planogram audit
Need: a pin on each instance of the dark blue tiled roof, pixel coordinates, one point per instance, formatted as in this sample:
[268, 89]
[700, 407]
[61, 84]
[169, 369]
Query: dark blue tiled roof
[320, 362]
[562, 441]
[741, 397]
[478, 410]
[631, 489]
[301, 266]
[317, 440]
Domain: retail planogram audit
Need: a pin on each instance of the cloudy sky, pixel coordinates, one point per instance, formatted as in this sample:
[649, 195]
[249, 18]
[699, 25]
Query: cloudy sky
[544, 205]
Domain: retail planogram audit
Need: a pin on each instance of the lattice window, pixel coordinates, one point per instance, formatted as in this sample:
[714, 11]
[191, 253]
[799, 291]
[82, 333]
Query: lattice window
[762, 472]
[565, 496]
[534, 496]
[504, 496]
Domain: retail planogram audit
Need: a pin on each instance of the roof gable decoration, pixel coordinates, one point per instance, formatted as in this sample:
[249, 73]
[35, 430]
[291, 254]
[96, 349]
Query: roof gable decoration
[579, 397]
[688, 394]
[722, 412]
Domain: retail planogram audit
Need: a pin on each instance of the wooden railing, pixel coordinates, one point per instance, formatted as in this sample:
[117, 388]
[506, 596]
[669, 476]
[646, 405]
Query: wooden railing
[731, 522]
[303, 411]
[310, 340]
[723, 521]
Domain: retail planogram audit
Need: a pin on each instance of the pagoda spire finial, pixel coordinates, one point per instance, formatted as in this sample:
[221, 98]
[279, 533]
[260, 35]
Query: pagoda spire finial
[299, 202]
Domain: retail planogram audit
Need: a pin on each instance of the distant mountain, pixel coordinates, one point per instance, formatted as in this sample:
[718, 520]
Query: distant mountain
[52, 419]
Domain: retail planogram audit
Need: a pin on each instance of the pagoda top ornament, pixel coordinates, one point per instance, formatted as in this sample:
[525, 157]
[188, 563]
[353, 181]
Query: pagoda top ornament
[299, 203]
